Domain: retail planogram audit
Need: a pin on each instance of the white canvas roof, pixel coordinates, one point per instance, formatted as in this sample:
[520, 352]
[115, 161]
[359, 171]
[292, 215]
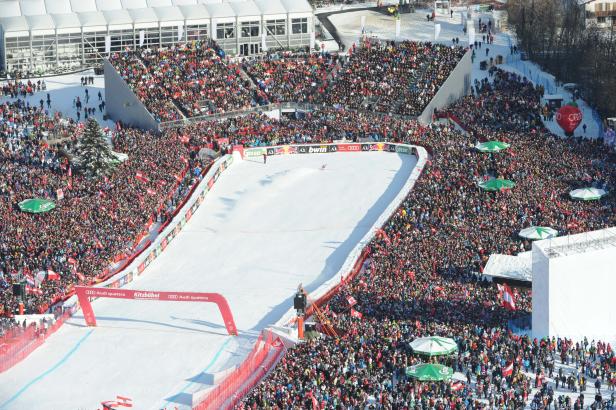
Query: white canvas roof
[81, 6]
[58, 6]
[271, 7]
[159, 3]
[117, 17]
[194, 12]
[96, 13]
[33, 8]
[92, 19]
[169, 13]
[104, 5]
[44, 22]
[146, 15]
[220, 10]
[66, 20]
[134, 4]
[297, 6]
[18, 23]
[245, 8]
[10, 9]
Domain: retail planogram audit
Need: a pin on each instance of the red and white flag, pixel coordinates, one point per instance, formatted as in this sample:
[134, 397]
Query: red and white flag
[51, 275]
[457, 386]
[139, 175]
[150, 191]
[31, 290]
[508, 370]
[352, 301]
[507, 297]
[355, 313]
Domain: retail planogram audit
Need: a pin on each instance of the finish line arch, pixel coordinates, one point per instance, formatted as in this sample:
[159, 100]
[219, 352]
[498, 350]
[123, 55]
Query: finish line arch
[84, 293]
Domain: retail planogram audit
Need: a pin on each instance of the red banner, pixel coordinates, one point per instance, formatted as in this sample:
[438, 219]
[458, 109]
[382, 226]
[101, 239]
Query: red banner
[349, 147]
[84, 294]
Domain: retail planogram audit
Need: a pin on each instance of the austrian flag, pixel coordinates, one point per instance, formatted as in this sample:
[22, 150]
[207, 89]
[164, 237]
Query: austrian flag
[508, 370]
[355, 313]
[507, 297]
[141, 177]
[352, 301]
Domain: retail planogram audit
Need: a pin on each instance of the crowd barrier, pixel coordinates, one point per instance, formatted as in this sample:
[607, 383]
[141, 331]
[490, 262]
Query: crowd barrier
[258, 363]
[265, 354]
[15, 349]
[26, 341]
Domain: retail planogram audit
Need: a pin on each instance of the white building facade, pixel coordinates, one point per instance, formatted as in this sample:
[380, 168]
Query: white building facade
[601, 12]
[42, 35]
[574, 286]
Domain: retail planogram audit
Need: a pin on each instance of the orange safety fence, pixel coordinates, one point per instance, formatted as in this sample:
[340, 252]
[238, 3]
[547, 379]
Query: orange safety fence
[259, 362]
[17, 344]
[246, 376]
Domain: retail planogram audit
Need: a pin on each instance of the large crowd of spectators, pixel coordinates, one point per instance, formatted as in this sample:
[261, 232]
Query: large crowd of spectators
[189, 79]
[193, 79]
[422, 276]
[96, 221]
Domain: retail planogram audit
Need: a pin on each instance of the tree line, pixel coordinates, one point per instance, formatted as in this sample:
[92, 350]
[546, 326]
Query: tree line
[555, 35]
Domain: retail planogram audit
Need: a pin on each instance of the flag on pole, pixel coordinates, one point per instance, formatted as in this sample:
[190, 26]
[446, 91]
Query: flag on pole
[51, 275]
[352, 301]
[507, 297]
[355, 313]
[508, 370]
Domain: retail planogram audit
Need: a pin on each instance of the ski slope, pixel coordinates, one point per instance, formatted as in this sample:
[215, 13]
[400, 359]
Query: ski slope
[261, 231]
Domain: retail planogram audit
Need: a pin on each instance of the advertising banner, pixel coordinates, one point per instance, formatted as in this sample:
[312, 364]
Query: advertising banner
[84, 293]
[255, 152]
[348, 147]
[313, 149]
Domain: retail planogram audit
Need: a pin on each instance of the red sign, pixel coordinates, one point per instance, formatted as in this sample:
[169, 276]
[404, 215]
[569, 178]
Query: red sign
[84, 293]
[349, 147]
[569, 117]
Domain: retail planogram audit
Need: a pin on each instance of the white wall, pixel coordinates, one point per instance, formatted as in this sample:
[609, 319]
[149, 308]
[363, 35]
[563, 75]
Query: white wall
[574, 294]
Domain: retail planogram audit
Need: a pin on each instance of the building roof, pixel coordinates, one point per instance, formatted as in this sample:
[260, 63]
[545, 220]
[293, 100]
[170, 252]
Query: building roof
[271, 7]
[22, 15]
[245, 8]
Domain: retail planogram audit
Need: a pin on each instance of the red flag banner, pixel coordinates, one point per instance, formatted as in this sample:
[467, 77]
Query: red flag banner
[352, 301]
[139, 175]
[507, 297]
[508, 370]
[51, 275]
[355, 313]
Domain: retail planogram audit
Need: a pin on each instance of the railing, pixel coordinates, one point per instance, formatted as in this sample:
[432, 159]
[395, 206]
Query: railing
[262, 358]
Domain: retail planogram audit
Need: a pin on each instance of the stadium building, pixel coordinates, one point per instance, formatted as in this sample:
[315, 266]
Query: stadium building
[42, 35]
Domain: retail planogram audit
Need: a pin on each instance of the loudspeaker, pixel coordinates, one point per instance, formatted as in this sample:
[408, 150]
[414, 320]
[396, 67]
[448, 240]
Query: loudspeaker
[299, 302]
[19, 289]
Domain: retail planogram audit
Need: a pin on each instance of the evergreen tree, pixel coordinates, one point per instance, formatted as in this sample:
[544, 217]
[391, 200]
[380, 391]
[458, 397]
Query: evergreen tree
[92, 154]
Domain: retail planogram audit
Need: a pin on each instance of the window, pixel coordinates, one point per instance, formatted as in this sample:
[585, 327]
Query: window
[197, 32]
[276, 27]
[299, 26]
[601, 20]
[225, 30]
[250, 29]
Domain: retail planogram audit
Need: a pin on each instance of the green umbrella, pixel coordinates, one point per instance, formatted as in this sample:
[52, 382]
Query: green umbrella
[429, 372]
[434, 346]
[538, 232]
[587, 194]
[496, 184]
[492, 146]
[36, 205]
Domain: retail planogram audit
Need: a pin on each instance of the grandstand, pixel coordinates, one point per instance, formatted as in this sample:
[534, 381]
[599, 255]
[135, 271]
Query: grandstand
[45, 35]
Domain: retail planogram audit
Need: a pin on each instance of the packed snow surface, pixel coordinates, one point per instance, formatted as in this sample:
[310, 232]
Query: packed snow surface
[261, 231]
